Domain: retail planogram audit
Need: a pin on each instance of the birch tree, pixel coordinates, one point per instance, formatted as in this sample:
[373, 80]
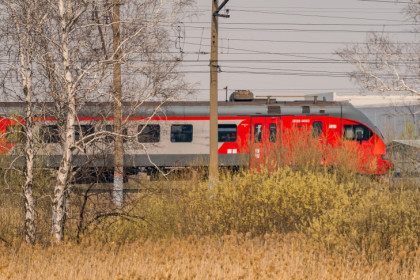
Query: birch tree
[384, 65]
[23, 21]
[77, 59]
[72, 76]
[68, 45]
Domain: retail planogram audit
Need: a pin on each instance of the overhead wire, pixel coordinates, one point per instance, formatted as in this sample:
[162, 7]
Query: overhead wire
[305, 24]
[385, 1]
[294, 41]
[311, 15]
[299, 58]
[311, 58]
[302, 30]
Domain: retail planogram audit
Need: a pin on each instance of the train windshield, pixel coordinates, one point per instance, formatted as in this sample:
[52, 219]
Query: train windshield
[357, 132]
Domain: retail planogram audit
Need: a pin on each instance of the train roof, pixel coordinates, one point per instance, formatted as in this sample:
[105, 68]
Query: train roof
[254, 107]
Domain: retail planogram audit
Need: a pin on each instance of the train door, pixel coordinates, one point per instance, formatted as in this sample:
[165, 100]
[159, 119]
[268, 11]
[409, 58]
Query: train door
[264, 142]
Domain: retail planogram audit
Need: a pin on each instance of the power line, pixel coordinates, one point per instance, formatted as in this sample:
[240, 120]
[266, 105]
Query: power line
[307, 74]
[277, 89]
[298, 41]
[308, 15]
[384, 1]
[375, 10]
[309, 24]
[308, 30]
[249, 51]
[282, 69]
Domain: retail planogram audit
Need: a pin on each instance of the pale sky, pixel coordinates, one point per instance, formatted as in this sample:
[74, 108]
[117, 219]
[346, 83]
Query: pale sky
[285, 47]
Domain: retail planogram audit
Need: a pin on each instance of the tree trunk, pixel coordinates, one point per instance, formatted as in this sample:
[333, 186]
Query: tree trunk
[23, 33]
[29, 203]
[63, 176]
[117, 193]
[29, 171]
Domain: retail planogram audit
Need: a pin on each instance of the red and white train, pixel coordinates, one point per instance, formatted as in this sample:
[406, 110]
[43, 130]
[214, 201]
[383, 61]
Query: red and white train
[252, 132]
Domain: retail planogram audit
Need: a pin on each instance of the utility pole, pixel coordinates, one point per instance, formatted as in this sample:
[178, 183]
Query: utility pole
[214, 68]
[117, 192]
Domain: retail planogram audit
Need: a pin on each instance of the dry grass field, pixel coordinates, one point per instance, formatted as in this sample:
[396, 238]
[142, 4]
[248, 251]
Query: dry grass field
[288, 224]
[234, 256]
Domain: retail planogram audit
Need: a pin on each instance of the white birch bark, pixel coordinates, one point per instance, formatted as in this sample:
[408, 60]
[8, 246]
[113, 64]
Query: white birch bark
[24, 25]
[118, 190]
[60, 189]
[29, 161]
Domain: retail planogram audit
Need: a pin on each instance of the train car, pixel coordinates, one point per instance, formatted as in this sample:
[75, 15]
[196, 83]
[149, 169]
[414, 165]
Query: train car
[253, 132]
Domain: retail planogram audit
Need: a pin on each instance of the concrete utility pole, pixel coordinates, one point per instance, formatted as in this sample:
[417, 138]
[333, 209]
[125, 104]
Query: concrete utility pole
[117, 193]
[214, 68]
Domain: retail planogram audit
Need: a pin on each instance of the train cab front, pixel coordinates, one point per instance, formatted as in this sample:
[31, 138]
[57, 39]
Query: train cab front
[383, 164]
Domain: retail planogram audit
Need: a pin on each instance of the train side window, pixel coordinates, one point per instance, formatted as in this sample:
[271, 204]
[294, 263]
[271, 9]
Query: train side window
[84, 130]
[110, 128]
[357, 132]
[109, 138]
[14, 134]
[181, 133]
[257, 133]
[149, 133]
[272, 132]
[227, 132]
[49, 134]
[316, 129]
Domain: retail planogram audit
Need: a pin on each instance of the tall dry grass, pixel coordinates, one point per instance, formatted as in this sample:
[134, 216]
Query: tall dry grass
[12, 205]
[234, 256]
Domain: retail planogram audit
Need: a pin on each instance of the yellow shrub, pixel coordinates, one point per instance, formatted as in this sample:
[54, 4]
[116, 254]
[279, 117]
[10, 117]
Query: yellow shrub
[261, 202]
[373, 221]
